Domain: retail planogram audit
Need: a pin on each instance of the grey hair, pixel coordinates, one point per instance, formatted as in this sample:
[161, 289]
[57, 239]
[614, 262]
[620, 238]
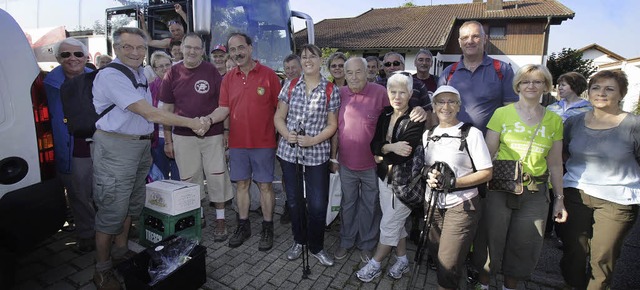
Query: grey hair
[70, 41]
[388, 54]
[473, 22]
[401, 78]
[356, 59]
[424, 51]
[130, 30]
[157, 55]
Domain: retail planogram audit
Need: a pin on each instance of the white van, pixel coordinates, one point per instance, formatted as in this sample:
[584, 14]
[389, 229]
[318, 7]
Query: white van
[32, 202]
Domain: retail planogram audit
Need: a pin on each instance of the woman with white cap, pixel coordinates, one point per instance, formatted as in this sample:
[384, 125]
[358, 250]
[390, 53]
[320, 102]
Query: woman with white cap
[457, 201]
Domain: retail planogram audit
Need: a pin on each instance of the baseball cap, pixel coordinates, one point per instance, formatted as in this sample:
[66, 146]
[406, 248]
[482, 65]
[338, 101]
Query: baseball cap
[219, 47]
[445, 89]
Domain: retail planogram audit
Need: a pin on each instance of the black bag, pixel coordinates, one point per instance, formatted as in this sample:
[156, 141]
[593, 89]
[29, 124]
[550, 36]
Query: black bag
[77, 101]
[507, 176]
[412, 194]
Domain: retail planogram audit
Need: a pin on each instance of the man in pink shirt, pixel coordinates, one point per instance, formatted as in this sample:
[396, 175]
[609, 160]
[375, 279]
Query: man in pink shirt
[361, 105]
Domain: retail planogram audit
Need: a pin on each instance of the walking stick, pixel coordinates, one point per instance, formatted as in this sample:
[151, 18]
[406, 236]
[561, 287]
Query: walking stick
[305, 249]
[422, 243]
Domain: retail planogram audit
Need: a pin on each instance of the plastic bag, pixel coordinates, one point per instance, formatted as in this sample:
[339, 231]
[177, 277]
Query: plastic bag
[335, 197]
[168, 256]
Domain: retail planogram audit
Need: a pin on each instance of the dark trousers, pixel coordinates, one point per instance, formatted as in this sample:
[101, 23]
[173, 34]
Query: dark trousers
[316, 179]
[164, 163]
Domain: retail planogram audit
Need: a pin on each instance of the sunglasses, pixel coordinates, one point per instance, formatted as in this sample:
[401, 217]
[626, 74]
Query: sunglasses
[67, 54]
[395, 63]
[341, 65]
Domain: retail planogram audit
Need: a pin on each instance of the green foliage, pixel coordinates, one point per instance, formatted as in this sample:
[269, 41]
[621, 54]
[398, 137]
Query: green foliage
[567, 61]
[408, 3]
[326, 53]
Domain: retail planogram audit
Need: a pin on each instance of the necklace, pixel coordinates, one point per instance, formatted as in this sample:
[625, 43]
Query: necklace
[529, 114]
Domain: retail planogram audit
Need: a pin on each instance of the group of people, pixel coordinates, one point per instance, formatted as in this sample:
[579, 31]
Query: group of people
[378, 133]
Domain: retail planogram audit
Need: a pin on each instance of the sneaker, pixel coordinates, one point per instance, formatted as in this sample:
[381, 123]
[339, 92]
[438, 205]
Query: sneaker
[242, 233]
[220, 233]
[400, 267]
[365, 256]
[106, 280]
[323, 258]
[266, 237]
[341, 253]
[368, 272]
[294, 252]
[285, 218]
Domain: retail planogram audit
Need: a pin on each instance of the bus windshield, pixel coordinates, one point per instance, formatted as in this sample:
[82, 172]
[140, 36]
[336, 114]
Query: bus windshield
[268, 23]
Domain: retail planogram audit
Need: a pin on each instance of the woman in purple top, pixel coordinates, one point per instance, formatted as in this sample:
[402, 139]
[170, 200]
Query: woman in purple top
[161, 63]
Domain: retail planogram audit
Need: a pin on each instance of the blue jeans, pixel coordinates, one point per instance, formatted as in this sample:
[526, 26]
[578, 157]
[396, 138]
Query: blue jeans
[164, 163]
[311, 229]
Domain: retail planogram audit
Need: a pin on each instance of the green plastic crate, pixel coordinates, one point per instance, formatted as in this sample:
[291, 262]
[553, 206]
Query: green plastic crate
[156, 226]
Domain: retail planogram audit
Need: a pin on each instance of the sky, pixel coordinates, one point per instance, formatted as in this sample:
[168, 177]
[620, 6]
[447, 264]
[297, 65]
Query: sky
[605, 22]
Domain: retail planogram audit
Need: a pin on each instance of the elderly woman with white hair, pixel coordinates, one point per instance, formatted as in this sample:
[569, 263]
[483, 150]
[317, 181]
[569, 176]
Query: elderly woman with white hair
[398, 151]
[457, 200]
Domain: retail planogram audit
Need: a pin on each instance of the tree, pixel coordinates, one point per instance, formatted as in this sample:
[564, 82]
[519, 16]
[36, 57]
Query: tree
[567, 61]
[98, 27]
[408, 3]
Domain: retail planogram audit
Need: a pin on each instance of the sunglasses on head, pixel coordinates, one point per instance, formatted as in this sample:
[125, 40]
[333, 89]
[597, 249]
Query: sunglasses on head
[67, 54]
[395, 63]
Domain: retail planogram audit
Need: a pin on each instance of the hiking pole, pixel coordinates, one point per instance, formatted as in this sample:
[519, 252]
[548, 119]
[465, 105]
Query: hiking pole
[300, 168]
[428, 220]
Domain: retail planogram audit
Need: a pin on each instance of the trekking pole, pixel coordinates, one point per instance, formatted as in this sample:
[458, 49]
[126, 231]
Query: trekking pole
[305, 249]
[428, 220]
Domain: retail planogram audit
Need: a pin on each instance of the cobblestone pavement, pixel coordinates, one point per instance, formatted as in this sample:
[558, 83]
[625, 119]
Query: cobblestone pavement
[55, 264]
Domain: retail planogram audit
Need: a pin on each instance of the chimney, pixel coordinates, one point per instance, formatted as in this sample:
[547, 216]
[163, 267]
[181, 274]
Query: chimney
[477, 1]
[494, 5]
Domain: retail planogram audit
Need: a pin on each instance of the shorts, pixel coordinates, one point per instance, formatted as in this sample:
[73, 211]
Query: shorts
[256, 163]
[394, 216]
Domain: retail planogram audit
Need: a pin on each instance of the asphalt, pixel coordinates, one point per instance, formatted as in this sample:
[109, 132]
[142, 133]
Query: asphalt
[56, 264]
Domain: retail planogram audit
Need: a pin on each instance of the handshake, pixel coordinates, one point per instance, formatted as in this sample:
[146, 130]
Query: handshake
[200, 125]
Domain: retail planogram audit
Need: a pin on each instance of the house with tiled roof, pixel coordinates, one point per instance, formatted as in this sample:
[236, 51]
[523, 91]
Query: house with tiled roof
[518, 30]
[599, 54]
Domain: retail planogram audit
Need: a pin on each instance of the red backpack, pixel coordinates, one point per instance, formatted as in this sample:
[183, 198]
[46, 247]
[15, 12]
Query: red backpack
[496, 66]
[328, 90]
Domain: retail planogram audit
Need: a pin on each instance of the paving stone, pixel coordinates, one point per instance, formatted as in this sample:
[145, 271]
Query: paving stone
[60, 257]
[88, 286]
[56, 274]
[29, 285]
[83, 277]
[61, 285]
[87, 260]
[214, 285]
[29, 271]
[241, 281]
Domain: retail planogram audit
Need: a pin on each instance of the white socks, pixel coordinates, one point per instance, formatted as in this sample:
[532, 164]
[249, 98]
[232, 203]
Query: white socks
[220, 214]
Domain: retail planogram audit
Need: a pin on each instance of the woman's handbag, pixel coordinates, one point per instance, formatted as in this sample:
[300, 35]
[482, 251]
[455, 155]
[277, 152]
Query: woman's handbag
[508, 175]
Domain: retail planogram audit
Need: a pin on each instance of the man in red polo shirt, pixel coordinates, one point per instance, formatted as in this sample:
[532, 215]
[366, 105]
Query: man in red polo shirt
[249, 96]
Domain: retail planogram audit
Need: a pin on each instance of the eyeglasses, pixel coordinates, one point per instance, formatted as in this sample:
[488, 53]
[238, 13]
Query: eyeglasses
[337, 65]
[442, 103]
[537, 83]
[66, 54]
[395, 63]
[130, 48]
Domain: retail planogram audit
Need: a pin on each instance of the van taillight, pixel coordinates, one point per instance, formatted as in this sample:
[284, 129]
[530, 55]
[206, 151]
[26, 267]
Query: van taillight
[44, 133]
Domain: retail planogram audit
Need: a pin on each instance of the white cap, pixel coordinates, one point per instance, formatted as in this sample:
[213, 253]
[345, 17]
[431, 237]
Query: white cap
[446, 89]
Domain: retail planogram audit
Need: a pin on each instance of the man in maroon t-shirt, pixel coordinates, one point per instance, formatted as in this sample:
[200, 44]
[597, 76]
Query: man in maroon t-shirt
[192, 89]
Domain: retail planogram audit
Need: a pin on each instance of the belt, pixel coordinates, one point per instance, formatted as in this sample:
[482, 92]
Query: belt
[127, 136]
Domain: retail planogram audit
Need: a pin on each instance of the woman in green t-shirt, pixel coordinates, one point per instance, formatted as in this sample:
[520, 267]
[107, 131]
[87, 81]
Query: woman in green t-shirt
[517, 222]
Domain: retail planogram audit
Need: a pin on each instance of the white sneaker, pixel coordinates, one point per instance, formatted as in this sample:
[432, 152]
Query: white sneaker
[368, 272]
[399, 268]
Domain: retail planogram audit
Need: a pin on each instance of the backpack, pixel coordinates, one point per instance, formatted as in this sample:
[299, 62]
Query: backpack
[77, 101]
[464, 133]
[496, 66]
[328, 89]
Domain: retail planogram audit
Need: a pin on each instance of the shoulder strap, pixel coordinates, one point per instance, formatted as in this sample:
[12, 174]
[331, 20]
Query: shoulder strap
[453, 70]
[496, 66]
[329, 91]
[544, 112]
[291, 85]
[127, 72]
[464, 132]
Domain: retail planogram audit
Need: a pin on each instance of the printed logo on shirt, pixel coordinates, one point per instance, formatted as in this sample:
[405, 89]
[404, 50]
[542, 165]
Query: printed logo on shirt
[260, 91]
[201, 87]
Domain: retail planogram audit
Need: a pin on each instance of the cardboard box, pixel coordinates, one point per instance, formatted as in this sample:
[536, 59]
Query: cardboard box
[157, 226]
[190, 275]
[172, 197]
